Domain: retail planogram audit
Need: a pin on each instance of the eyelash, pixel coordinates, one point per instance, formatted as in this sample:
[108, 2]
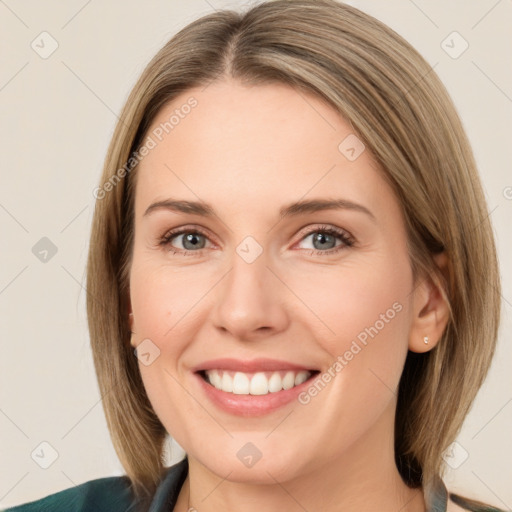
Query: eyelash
[347, 240]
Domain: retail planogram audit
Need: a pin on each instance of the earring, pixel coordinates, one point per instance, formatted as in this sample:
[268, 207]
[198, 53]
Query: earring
[425, 340]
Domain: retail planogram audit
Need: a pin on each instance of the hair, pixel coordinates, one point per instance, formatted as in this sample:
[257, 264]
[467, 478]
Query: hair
[399, 108]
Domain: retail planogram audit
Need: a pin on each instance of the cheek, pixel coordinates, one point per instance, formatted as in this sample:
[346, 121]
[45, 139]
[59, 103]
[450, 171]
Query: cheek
[162, 301]
[356, 302]
[361, 320]
[168, 305]
[162, 297]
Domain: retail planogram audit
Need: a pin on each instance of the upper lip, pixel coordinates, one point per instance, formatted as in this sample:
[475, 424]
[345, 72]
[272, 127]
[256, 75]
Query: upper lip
[249, 366]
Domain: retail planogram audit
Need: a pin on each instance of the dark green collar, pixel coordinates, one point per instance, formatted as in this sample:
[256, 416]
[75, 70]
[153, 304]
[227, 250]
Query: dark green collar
[166, 495]
[436, 495]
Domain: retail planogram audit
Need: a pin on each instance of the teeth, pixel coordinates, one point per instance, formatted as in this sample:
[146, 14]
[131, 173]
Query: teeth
[301, 377]
[260, 383]
[275, 383]
[226, 383]
[289, 380]
[241, 384]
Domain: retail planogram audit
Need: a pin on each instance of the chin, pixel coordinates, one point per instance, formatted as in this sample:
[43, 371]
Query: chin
[254, 462]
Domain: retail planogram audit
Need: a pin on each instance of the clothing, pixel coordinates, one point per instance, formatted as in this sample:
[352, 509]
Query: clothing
[113, 494]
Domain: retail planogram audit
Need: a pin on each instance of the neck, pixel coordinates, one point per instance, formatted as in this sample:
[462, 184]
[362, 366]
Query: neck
[364, 477]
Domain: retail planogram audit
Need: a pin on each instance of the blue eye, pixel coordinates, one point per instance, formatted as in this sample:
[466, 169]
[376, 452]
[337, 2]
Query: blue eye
[324, 239]
[193, 241]
[190, 239]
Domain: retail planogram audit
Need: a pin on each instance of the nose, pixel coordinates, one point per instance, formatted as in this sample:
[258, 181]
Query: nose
[251, 302]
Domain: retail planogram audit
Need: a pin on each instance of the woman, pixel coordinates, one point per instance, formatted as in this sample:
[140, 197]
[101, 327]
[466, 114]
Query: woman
[291, 236]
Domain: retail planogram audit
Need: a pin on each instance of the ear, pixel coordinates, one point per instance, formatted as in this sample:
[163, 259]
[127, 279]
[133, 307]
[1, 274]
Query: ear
[431, 311]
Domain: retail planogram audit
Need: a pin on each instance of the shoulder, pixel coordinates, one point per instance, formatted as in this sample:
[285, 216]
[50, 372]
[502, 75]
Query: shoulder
[109, 494]
[99, 495]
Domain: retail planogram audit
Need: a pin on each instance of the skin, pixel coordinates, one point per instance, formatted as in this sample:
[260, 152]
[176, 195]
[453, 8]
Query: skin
[248, 151]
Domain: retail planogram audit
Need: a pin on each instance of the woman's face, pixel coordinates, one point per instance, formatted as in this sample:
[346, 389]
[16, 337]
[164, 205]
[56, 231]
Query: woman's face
[238, 269]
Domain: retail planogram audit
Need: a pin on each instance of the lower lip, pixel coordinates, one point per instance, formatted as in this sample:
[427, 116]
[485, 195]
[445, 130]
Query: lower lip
[251, 405]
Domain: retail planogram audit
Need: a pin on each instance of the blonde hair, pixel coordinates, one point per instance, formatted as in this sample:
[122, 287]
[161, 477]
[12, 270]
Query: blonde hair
[400, 110]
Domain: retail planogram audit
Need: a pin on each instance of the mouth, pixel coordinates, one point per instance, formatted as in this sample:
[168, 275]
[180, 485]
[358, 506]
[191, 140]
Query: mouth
[255, 383]
[251, 388]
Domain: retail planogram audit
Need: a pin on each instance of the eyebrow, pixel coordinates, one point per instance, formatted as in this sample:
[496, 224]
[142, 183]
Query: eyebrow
[292, 209]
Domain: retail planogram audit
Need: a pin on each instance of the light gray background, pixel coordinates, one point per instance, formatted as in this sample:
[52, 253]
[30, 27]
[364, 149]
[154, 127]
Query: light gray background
[58, 115]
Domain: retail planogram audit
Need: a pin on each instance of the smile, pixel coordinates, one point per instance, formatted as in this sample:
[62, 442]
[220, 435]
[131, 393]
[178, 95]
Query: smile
[259, 383]
[251, 388]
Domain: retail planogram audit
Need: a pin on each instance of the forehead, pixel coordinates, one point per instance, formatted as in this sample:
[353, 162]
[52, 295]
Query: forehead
[253, 145]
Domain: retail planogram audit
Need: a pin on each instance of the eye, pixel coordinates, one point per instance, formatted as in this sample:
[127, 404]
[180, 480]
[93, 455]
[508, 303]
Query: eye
[324, 240]
[190, 240]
